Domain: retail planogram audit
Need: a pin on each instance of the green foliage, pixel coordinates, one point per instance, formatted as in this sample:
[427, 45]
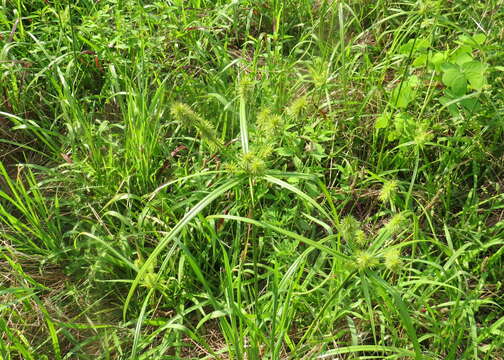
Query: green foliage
[251, 179]
[405, 93]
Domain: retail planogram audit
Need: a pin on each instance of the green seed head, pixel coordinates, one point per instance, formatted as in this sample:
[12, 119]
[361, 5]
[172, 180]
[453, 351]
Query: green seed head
[360, 238]
[319, 72]
[392, 260]
[184, 114]
[365, 260]
[298, 106]
[264, 151]
[257, 167]
[396, 223]
[388, 191]
[422, 136]
[269, 124]
[245, 85]
[190, 119]
[348, 227]
[232, 167]
[253, 164]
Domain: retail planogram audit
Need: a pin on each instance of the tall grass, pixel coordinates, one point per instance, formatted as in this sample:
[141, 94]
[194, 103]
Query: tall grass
[251, 179]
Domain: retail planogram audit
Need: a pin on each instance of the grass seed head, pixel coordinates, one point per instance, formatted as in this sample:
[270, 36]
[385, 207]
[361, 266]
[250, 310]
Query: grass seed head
[388, 191]
[422, 136]
[349, 226]
[365, 260]
[297, 106]
[253, 164]
[245, 85]
[396, 223]
[392, 260]
[269, 124]
[360, 238]
[188, 118]
[184, 114]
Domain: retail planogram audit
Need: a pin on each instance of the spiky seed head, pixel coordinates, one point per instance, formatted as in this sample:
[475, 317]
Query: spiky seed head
[392, 260]
[188, 118]
[257, 167]
[232, 167]
[269, 123]
[276, 122]
[365, 260]
[253, 164]
[184, 114]
[264, 151]
[262, 118]
[348, 227]
[388, 191]
[248, 158]
[319, 72]
[208, 133]
[245, 85]
[360, 238]
[297, 106]
[396, 223]
[149, 280]
[422, 136]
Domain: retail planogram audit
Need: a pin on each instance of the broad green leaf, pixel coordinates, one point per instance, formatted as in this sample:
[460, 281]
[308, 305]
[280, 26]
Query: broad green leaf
[476, 39]
[414, 45]
[284, 151]
[474, 71]
[471, 104]
[393, 135]
[464, 39]
[450, 101]
[382, 121]
[405, 93]
[452, 108]
[400, 96]
[454, 79]
[414, 81]
[438, 59]
[403, 123]
[462, 55]
[479, 38]
[420, 60]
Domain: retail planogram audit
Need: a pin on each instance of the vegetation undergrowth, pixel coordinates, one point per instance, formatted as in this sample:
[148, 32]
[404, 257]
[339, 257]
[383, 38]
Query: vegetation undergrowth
[298, 179]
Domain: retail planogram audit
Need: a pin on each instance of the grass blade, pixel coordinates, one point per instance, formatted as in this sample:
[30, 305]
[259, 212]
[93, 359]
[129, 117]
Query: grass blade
[166, 240]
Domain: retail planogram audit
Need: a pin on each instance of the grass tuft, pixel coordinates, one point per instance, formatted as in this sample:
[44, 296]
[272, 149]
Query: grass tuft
[298, 179]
